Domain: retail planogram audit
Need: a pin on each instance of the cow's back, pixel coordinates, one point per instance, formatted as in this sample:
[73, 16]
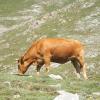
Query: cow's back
[59, 47]
[58, 42]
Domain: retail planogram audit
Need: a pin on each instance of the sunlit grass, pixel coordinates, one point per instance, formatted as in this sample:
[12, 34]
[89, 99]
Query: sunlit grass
[62, 24]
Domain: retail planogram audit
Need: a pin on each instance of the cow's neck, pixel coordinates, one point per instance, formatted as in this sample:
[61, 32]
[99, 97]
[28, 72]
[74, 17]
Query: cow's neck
[29, 54]
[28, 62]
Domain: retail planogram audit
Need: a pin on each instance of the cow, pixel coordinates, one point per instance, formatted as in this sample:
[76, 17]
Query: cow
[58, 50]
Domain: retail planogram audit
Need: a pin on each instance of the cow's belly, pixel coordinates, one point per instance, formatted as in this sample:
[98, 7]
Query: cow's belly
[59, 60]
[61, 55]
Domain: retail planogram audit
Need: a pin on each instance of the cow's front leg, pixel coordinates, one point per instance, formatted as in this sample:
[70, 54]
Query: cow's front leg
[38, 70]
[40, 63]
[47, 64]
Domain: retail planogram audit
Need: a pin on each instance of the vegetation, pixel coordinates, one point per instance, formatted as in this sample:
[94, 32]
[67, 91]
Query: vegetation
[24, 21]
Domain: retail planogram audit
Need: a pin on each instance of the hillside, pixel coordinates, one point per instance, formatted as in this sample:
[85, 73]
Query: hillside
[24, 21]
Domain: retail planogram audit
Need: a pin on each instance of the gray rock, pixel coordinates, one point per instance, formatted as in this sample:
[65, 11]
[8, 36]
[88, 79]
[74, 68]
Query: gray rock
[66, 96]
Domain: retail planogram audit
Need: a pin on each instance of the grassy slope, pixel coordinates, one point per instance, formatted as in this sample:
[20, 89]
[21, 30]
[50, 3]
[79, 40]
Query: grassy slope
[61, 24]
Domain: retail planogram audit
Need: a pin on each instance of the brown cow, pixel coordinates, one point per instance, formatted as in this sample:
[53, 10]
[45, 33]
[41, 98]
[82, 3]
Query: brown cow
[56, 50]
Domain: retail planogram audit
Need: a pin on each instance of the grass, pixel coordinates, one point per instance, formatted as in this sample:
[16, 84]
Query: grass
[15, 42]
[39, 87]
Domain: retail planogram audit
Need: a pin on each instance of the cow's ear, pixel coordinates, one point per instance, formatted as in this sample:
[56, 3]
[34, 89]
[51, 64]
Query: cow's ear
[17, 60]
[22, 62]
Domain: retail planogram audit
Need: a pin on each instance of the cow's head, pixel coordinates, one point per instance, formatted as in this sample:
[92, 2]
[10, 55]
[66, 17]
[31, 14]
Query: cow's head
[22, 66]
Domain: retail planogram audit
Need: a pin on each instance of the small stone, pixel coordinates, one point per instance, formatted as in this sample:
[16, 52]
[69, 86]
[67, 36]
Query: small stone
[30, 76]
[16, 96]
[96, 93]
[55, 77]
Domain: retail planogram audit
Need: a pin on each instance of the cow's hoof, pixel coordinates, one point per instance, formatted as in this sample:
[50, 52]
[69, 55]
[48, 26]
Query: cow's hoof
[20, 74]
[37, 73]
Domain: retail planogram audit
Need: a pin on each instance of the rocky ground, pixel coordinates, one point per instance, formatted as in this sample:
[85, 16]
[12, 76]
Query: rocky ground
[22, 22]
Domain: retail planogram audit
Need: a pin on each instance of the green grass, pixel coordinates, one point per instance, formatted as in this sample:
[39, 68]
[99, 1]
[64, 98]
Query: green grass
[15, 42]
[12, 6]
[39, 87]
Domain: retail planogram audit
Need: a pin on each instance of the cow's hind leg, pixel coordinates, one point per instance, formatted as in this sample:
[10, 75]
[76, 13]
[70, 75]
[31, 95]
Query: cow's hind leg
[83, 68]
[80, 58]
[77, 67]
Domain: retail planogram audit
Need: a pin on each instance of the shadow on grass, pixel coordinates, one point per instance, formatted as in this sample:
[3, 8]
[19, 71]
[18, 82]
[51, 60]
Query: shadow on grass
[20, 75]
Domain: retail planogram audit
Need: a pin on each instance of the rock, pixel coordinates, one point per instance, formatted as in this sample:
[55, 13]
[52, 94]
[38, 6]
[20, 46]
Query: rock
[3, 29]
[96, 93]
[7, 83]
[56, 86]
[55, 77]
[30, 76]
[55, 65]
[16, 96]
[66, 96]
